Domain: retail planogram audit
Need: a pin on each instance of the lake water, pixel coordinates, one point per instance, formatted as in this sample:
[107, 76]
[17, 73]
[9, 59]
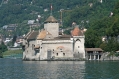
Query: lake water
[18, 69]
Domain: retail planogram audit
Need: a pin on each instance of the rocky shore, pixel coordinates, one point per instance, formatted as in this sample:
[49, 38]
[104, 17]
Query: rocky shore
[106, 56]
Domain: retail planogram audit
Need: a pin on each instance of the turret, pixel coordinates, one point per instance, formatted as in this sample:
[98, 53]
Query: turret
[52, 26]
[78, 38]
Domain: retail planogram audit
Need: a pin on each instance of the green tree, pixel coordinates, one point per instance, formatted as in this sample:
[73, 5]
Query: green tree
[3, 48]
[14, 39]
[111, 45]
[91, 39]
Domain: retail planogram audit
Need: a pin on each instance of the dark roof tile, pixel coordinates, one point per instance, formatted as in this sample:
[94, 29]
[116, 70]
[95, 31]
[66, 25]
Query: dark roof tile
[93, 49]
[51, 19]
[33, 35]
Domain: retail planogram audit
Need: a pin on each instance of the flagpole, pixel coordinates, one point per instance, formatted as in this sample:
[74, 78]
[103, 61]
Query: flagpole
[51, 10]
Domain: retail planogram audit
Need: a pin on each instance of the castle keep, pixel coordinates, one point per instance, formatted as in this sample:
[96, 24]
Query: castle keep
[48, 44]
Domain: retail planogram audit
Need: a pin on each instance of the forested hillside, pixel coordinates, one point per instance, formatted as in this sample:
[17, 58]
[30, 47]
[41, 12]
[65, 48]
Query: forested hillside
[107, 27]
[18, 11]
[100, 17]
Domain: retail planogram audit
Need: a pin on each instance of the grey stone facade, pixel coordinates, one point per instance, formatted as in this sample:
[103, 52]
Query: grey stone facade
[47, 44]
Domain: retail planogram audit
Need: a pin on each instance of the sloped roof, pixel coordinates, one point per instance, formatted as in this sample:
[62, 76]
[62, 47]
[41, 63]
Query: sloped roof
[42, 34]
[37, 47]
[49, 36]
[77, 32]
[63, 37]
[27, 34]
[93, 49]
[32, 35]
[51, 19]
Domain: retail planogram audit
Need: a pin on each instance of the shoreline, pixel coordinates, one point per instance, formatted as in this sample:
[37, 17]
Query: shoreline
[61, 59]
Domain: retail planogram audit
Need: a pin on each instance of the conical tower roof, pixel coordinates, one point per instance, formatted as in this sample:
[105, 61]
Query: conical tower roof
[51, 19]
[77, 32]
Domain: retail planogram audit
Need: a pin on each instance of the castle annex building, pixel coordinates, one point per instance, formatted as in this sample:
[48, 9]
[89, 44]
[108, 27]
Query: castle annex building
[48, 44]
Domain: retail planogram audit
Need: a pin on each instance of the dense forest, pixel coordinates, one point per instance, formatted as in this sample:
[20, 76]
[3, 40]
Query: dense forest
[94, 15]
[108, 27]
[19, 11]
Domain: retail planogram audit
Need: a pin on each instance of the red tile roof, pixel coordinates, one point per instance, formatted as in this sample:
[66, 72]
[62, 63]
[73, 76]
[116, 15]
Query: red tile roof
[42, 35]
[77, 32]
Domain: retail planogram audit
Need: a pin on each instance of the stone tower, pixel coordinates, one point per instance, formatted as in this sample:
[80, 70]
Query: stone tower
[52, 26]
[78, 37]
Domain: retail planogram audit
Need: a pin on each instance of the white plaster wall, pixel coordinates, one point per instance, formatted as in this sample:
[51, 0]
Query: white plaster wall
[52, 28]
[29, 52]
[79, 47]
[68, 50]
[38, 42]
[23, 42]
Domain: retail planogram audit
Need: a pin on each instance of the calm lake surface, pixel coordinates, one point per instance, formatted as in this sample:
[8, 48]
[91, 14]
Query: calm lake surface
[18, 69]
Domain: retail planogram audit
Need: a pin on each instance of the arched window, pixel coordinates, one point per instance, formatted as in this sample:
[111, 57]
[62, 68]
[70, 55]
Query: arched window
[78, 40]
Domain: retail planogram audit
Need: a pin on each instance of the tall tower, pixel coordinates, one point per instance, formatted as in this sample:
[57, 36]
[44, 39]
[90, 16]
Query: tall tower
[52, 26]
[78, 36]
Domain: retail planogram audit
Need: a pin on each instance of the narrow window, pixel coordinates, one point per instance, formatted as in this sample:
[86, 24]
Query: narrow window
[57, 54]
[28, 44]
[33, 46]
[63, 54]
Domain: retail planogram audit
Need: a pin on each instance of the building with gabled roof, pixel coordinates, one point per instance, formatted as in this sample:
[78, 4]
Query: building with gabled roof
[47, 44]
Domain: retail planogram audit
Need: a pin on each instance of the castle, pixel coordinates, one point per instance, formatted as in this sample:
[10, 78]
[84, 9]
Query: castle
[48, 44]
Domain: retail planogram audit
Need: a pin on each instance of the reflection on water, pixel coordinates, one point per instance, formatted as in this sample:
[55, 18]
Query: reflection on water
[102, 70]
[56, 69]
[18, 69]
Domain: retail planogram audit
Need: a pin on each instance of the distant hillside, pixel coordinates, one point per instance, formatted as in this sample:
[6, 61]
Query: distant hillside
[91, 11]
[83, 12]
[16, 11]
[106, 28]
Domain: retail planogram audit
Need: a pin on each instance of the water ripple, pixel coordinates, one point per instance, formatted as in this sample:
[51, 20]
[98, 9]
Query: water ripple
[18, 69]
